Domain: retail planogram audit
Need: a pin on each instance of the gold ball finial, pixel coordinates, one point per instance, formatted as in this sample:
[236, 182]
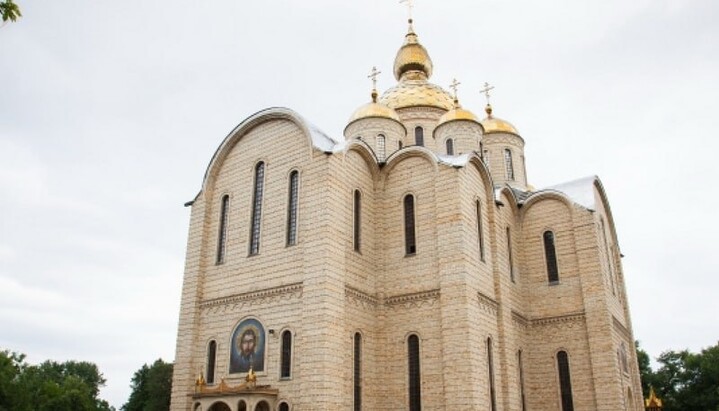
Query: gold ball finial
[488, 110]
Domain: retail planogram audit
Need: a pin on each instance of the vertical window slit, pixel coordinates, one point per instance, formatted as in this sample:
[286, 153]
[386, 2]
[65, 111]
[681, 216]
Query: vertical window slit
[550, 255]
[292, 208]
[415, 388]
[409, 234]
[222, 233]
[257, 208]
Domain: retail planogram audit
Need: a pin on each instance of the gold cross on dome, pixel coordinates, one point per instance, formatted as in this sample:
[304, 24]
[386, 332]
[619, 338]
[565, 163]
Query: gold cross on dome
[410, 6]
[486, 90]
[373, 75]
[454, 86]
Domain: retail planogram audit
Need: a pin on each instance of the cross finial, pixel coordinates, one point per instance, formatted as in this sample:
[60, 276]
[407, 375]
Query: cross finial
[454, 86]
[410, 6]
[486, 90]
[373, 75]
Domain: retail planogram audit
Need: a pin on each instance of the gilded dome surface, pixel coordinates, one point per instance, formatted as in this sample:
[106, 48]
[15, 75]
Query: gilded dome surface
[373, 109]
[493, 124]
[419, 92]
[457, 113]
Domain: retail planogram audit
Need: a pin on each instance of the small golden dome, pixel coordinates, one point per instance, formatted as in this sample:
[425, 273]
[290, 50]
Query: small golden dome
[457, 113]
[374, 109]
[412, 56]
[493, 124]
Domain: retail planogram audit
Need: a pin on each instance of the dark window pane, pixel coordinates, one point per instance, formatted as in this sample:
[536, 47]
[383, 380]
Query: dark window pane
[565, 381]
[419, 136]
[357, 220]
[509, 253]
[521, 380]
[222, 236]
[508, 164]
[415, 387]
[286, 366]
[257, 208]
[450, 147]
[480, 230]
[357, 372]
[292, 209]
[490, 366]
[211, 355]
[284, 407]
[551, 257]
[409, 238]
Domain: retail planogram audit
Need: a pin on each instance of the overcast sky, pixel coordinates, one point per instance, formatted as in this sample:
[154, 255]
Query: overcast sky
[110, 112]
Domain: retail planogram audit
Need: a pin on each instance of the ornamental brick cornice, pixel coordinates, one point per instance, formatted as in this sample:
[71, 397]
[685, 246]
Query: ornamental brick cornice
[360, 298]
[502, 138]
[559, 319]
[412, 300]
[262, 296]
[520, 320]
[487, 303]
[621, 329]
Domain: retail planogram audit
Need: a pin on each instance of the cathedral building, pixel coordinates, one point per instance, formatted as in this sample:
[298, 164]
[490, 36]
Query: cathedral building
[406, 266]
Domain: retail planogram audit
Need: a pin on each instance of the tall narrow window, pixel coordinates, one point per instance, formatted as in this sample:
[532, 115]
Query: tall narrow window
[357, 221]
[292, 208]
[509, 255]
[485, 157]
[450, 147]
[410, 247]
[610, 271]
[222, 233]
[286, 360]
[399, 145]
[284, 407]
[380, 147]
[357, 374]
[550, 255]
[415, 387]
[419, 136]
[522, 399]
[509, 167]
[480, 230]
[211, 356]
[257, 208]
[490, 367]
[565, 381]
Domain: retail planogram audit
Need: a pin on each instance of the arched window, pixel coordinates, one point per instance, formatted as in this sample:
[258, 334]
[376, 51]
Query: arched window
[625, 362]
[419, 136]
[565, 381]
[292, 208]
[450, 147]
[380, 147]
[410, 246]
[284, 407]
[286, 361]
[222, 233]
[509, 254]
[357, 221]
[415, 384]
[211, 357]
[550, 255]
[509, 167]
[262, 406]
[480, 230]
[485, 157]
[257, 208]
[523, 401]
[357, 374]
[399, 145]
[490, 368]
[242, 406]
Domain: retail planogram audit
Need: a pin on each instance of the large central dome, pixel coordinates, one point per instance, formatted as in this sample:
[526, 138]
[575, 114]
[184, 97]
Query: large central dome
[413, 68]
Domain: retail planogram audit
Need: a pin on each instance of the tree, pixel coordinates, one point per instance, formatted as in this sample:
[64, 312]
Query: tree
[151, 388]
[50, 386]
[9, 10]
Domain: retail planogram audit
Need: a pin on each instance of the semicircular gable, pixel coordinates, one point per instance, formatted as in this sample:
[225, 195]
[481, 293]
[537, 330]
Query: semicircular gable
[599, 188]
[409, 152]
[314, 138]
[479, 165]
[545, 195]
[367, 154]
[507, 192]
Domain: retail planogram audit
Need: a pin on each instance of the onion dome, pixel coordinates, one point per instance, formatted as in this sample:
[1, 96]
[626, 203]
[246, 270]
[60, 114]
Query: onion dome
[412, 56]
[374, 109]
[493, 124]
[457, 113]
[413, 67]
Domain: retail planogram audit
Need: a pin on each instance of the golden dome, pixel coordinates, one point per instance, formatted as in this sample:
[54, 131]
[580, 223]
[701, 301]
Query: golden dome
[457, 113]
[493, 124]
[412, 56]
[416, 92]
[374, 109]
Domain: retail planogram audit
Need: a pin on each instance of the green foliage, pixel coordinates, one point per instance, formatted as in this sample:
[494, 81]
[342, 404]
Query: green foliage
[50, 386]
[9, 10]
[686, 381]
[151, 388]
